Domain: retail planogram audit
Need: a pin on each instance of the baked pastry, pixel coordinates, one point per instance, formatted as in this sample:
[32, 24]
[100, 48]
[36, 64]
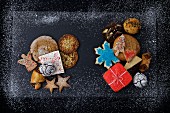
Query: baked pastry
[68, 43]
[126, 47]
[132, 63]
[146, 59]
[36, 79]
[69, 60]
[27, 62]
[112, 31]
[51, 85]
[47, 69]
[106, 55]
[51, 64]
[117, 77]
[42, 45]
[62, 82]
[140, 80]
[132, 25]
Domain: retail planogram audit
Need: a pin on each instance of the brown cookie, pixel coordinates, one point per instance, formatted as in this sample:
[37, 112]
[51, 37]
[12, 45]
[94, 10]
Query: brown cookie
[69, 60]
[132, 25]
[112, 31]
[130, 49]
[68, 43]
[43, 45]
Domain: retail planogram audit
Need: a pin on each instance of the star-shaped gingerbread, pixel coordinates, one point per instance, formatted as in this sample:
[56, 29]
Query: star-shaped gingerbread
[51, 85]
[62, 82]
[27, 61]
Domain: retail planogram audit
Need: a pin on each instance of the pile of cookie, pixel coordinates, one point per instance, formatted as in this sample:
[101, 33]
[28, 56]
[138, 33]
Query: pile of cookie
[123, 52]
[47, 59]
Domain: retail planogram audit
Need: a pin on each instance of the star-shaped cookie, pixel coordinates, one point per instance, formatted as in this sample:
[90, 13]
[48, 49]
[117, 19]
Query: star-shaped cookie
[51, 85]
[62, 82]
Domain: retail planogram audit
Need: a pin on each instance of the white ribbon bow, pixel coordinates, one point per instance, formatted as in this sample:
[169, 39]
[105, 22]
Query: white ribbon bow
[117, 78]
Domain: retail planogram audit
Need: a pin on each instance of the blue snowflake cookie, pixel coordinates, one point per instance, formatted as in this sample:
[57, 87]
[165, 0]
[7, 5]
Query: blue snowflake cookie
[106, 55]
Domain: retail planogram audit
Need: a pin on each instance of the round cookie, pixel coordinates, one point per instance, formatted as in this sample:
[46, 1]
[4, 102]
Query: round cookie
[43, 45]
[69, 60]
[132, 25]
[130, 50]
[68, 43]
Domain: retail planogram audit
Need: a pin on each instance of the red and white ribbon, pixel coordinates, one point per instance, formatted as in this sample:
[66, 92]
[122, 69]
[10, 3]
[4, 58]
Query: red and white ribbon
[117, 78]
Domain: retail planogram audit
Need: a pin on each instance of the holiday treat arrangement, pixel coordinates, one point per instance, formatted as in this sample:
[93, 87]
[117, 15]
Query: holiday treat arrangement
[47, 59]
[120, 52]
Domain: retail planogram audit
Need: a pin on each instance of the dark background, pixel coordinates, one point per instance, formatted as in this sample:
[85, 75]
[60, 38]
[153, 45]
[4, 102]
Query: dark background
[88, 104]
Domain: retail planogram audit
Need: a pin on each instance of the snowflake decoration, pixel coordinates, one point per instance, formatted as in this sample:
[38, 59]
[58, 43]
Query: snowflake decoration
[106, 55]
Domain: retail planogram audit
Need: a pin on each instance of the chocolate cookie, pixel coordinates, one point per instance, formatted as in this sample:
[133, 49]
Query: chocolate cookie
[132, 25]
[69, 60]
[112, 31]
[126, 47]
[68, 43]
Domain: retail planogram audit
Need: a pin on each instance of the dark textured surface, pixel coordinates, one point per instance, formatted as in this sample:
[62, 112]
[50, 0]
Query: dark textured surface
[89, 92]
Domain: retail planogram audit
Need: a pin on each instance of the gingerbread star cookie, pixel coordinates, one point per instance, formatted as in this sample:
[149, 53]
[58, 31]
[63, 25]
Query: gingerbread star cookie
[28, 62]
[62, 82]
[51, 85]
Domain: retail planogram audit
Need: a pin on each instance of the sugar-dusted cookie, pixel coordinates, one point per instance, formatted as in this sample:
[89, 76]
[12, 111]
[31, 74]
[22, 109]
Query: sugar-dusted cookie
[68, 43]
[69, 60]
[43, 45]
[140, 80]
[126, 47]
[132, 25]
[47, 69]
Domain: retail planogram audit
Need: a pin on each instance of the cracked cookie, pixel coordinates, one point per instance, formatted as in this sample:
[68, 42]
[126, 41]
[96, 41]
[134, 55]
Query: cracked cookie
[69, 60]
[68, 43]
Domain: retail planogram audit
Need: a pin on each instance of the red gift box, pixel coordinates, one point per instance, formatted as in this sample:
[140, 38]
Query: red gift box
[117, 77]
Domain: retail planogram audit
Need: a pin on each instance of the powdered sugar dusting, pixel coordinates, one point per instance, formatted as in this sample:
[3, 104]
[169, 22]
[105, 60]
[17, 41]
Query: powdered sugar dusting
[86, 78]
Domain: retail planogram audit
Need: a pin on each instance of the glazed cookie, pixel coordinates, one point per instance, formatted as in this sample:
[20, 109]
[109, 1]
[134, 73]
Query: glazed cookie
[126, 47]
[42, 45]
[68, 43]
[132, 25]
[69, 60]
